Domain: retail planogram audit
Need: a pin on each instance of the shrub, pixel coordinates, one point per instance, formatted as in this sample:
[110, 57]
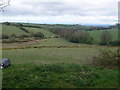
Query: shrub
[105, 38]
[115, 43]
[107, 58]
[6, 23]
[23, 29]
[81, 37]
[23, 36]
[13, 35]
[5, 36]
[10, 40]
[57, 36]
[39, 35]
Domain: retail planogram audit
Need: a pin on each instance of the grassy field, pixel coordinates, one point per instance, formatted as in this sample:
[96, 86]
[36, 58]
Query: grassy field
[96, 35]
[55, 42]
[59, 76]
[45, 32]
[51, 55]
[55, 67]
[9, 30]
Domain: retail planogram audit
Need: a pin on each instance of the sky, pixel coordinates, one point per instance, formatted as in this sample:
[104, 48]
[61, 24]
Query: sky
[61, 11]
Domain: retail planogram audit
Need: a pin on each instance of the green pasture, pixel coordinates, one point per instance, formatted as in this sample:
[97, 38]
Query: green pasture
[55, 42]
[45, 32]
[51, 55]
[56, 67]
[9, 30]
[61, 75]
[96, 35]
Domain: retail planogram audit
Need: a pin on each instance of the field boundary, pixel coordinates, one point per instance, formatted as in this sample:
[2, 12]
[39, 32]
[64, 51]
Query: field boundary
[26, 47]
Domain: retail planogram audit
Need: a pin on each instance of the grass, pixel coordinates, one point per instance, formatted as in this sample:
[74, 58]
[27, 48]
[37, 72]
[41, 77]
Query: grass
[9, 30]
[56, 67]
[96, 35]
[50, 55]
[59, 76]
[55, 42]
[45, 32]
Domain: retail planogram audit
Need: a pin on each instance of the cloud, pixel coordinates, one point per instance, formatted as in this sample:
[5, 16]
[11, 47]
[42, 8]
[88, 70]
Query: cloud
[63, 11]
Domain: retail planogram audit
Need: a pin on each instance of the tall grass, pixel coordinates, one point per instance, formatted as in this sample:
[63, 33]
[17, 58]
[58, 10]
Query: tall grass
[58, 76]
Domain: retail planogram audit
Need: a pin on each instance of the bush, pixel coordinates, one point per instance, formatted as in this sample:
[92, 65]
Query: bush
[13, 35]
[39, 35]
[6, 23]
[23, 29]
[81, 37]
[105, 38]
[10, 40]
[5, 36]
[115, 43]
[57, 36]
[23, 36]
[107, 58]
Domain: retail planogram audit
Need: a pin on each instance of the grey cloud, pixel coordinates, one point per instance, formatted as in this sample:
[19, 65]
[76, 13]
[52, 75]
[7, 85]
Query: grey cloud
[58, 8]
[47, 9]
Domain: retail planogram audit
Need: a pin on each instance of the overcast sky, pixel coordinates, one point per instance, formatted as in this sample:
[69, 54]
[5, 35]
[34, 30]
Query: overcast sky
[62, 11]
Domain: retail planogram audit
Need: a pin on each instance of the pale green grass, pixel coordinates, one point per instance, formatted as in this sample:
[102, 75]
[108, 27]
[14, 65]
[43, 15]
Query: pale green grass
[9, 30]
[45, 32]
[50, 55]
[55, 42]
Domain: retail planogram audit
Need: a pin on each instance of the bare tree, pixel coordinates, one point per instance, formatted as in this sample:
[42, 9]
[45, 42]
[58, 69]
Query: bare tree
[4, 4]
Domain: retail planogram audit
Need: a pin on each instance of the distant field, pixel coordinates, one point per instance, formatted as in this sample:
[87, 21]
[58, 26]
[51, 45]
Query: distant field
[9, 30]
[55, 42]
[61, 26]
[45, 32]
[96, 35]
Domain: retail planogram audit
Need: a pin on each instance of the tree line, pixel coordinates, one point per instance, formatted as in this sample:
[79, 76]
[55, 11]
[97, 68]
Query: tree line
[82, 36]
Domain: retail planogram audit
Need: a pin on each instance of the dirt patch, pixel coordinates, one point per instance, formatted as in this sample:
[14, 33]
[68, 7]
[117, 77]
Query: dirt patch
[10, 45]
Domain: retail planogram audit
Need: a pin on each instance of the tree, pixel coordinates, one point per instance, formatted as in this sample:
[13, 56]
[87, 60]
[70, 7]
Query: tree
[4, 4]
[39, 35]
[81, 37]
[105, 38]
[13, 36]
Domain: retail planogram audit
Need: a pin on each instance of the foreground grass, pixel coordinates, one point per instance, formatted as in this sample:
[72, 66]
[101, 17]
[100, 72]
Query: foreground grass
[58, 76]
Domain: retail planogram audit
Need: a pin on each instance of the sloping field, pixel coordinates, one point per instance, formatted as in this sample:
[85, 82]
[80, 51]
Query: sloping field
[45, 32]
[96, 35]
[55, 42]
[9, 30]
